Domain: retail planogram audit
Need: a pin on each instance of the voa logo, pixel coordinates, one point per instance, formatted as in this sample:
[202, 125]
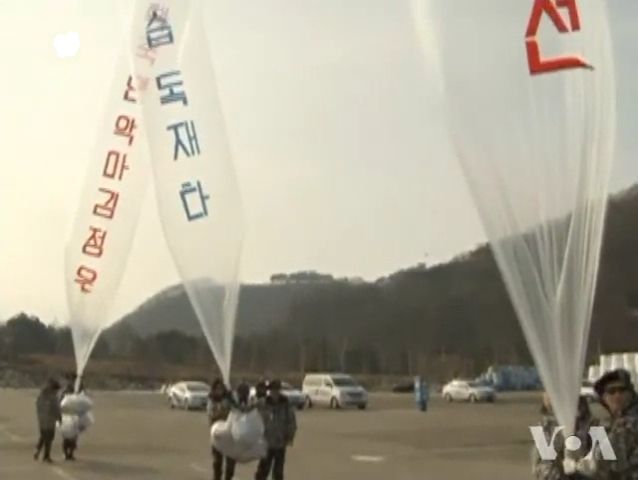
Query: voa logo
[572, 443]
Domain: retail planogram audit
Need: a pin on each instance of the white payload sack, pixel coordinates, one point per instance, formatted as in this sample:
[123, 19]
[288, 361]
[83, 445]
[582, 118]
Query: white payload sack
[69, 427]
[76, 404]
[246, 428]
[240, 437]
[85, 421]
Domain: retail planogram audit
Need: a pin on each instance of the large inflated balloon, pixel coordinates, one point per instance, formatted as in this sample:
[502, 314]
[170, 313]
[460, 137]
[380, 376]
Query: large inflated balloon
[109, 206]
[196, 188]
[530, 93]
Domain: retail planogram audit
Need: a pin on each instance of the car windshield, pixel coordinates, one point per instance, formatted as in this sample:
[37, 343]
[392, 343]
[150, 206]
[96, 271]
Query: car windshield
[197, 387]
[344, 382]
[474, 384]
[286, 386]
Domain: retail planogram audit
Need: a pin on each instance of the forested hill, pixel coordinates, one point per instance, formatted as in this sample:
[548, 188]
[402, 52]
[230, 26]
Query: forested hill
[457, 313]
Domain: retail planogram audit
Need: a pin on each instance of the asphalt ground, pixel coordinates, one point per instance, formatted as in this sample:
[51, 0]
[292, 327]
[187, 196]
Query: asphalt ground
[137, 437]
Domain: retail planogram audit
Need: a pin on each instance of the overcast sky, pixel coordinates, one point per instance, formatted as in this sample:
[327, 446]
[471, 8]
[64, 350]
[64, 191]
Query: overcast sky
[342, 157]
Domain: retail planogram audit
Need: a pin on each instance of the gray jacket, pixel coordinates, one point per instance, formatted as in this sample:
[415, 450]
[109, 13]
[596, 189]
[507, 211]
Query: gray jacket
[48, 409]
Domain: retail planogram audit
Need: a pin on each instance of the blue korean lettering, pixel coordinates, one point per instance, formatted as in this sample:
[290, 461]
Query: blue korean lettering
[158, 32]
[190, 144]
[201, 210]
[169, 82]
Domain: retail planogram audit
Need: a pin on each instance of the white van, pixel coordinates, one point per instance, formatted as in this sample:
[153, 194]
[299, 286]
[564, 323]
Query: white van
[334, 390]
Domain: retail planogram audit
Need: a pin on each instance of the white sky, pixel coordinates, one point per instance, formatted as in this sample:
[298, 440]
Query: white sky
[341, 153]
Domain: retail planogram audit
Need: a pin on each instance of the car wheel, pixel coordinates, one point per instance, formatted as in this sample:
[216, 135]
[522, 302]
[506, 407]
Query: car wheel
[447, 397]
[334, 403]
[301, 406]
[308, 402]
[171, 404]
[363, 406]
[473, 398]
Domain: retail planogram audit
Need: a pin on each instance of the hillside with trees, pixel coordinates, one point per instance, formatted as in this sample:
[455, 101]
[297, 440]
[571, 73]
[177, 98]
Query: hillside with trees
[454, 317]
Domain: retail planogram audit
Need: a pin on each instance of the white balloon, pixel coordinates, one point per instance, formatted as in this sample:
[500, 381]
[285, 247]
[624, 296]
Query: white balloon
[109, 206]
[197, 192]
[76, 404]
[530, 95]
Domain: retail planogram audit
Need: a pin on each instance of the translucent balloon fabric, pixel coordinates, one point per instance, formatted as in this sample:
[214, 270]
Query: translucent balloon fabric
[109, 206]
[197, 192]
[530, 96]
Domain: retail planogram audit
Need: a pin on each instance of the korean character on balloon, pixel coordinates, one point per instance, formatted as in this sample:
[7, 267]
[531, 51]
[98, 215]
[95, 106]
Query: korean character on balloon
[115, 165]
[107, 208]
[124, 126]
[133, 87]
[85, 277]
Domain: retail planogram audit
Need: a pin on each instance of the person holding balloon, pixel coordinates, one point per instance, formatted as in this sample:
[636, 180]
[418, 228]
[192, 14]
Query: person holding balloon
[572, 465]
[48, 412]
[617, 394]
[218, 408]
[280, 428]
[71, 433]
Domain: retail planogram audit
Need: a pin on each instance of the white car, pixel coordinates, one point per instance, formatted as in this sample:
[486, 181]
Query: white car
[334, 390]
[467, 390]
[189, 395]
[295, 397]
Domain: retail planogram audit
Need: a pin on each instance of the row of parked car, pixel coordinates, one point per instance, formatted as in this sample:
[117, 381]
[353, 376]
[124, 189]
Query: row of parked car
[333, 390]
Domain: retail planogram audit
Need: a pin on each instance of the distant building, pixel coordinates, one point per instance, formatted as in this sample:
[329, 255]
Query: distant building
[301, 277]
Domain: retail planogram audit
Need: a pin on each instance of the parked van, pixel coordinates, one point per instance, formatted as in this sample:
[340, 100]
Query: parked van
[334, 390]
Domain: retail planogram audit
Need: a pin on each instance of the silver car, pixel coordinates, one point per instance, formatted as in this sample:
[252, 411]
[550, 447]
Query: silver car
[466, 390]
[189, 395]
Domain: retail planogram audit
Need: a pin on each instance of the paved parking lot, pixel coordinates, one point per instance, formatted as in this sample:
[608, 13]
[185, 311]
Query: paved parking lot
[137, 437]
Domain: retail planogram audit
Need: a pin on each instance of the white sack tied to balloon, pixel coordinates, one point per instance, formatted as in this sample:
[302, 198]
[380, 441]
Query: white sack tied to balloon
[240, 436]
[197, 192]
[100, 240]
[529, 89]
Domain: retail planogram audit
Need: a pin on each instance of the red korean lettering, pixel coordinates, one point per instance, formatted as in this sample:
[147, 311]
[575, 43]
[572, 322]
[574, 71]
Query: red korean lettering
[129, 93]
[132, 89]
[537, 63]
[86, 278]
[94, 245]
[124, 126]
[115, 165]
[107, 209]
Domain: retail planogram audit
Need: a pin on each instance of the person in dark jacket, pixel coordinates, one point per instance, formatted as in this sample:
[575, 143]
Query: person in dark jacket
[218, 408]
[617, 394]
[555, 469]
[70, 445]
[280, 428]
[241, 401]
[48, 411]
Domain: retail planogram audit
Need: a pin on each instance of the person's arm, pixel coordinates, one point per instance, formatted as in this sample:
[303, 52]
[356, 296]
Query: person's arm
[209, 412]
[291, 427]
[57, 410]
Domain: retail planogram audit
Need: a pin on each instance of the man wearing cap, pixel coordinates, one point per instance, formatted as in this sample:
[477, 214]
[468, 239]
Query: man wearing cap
[281, 426]
[48, 411]
[617, 394]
